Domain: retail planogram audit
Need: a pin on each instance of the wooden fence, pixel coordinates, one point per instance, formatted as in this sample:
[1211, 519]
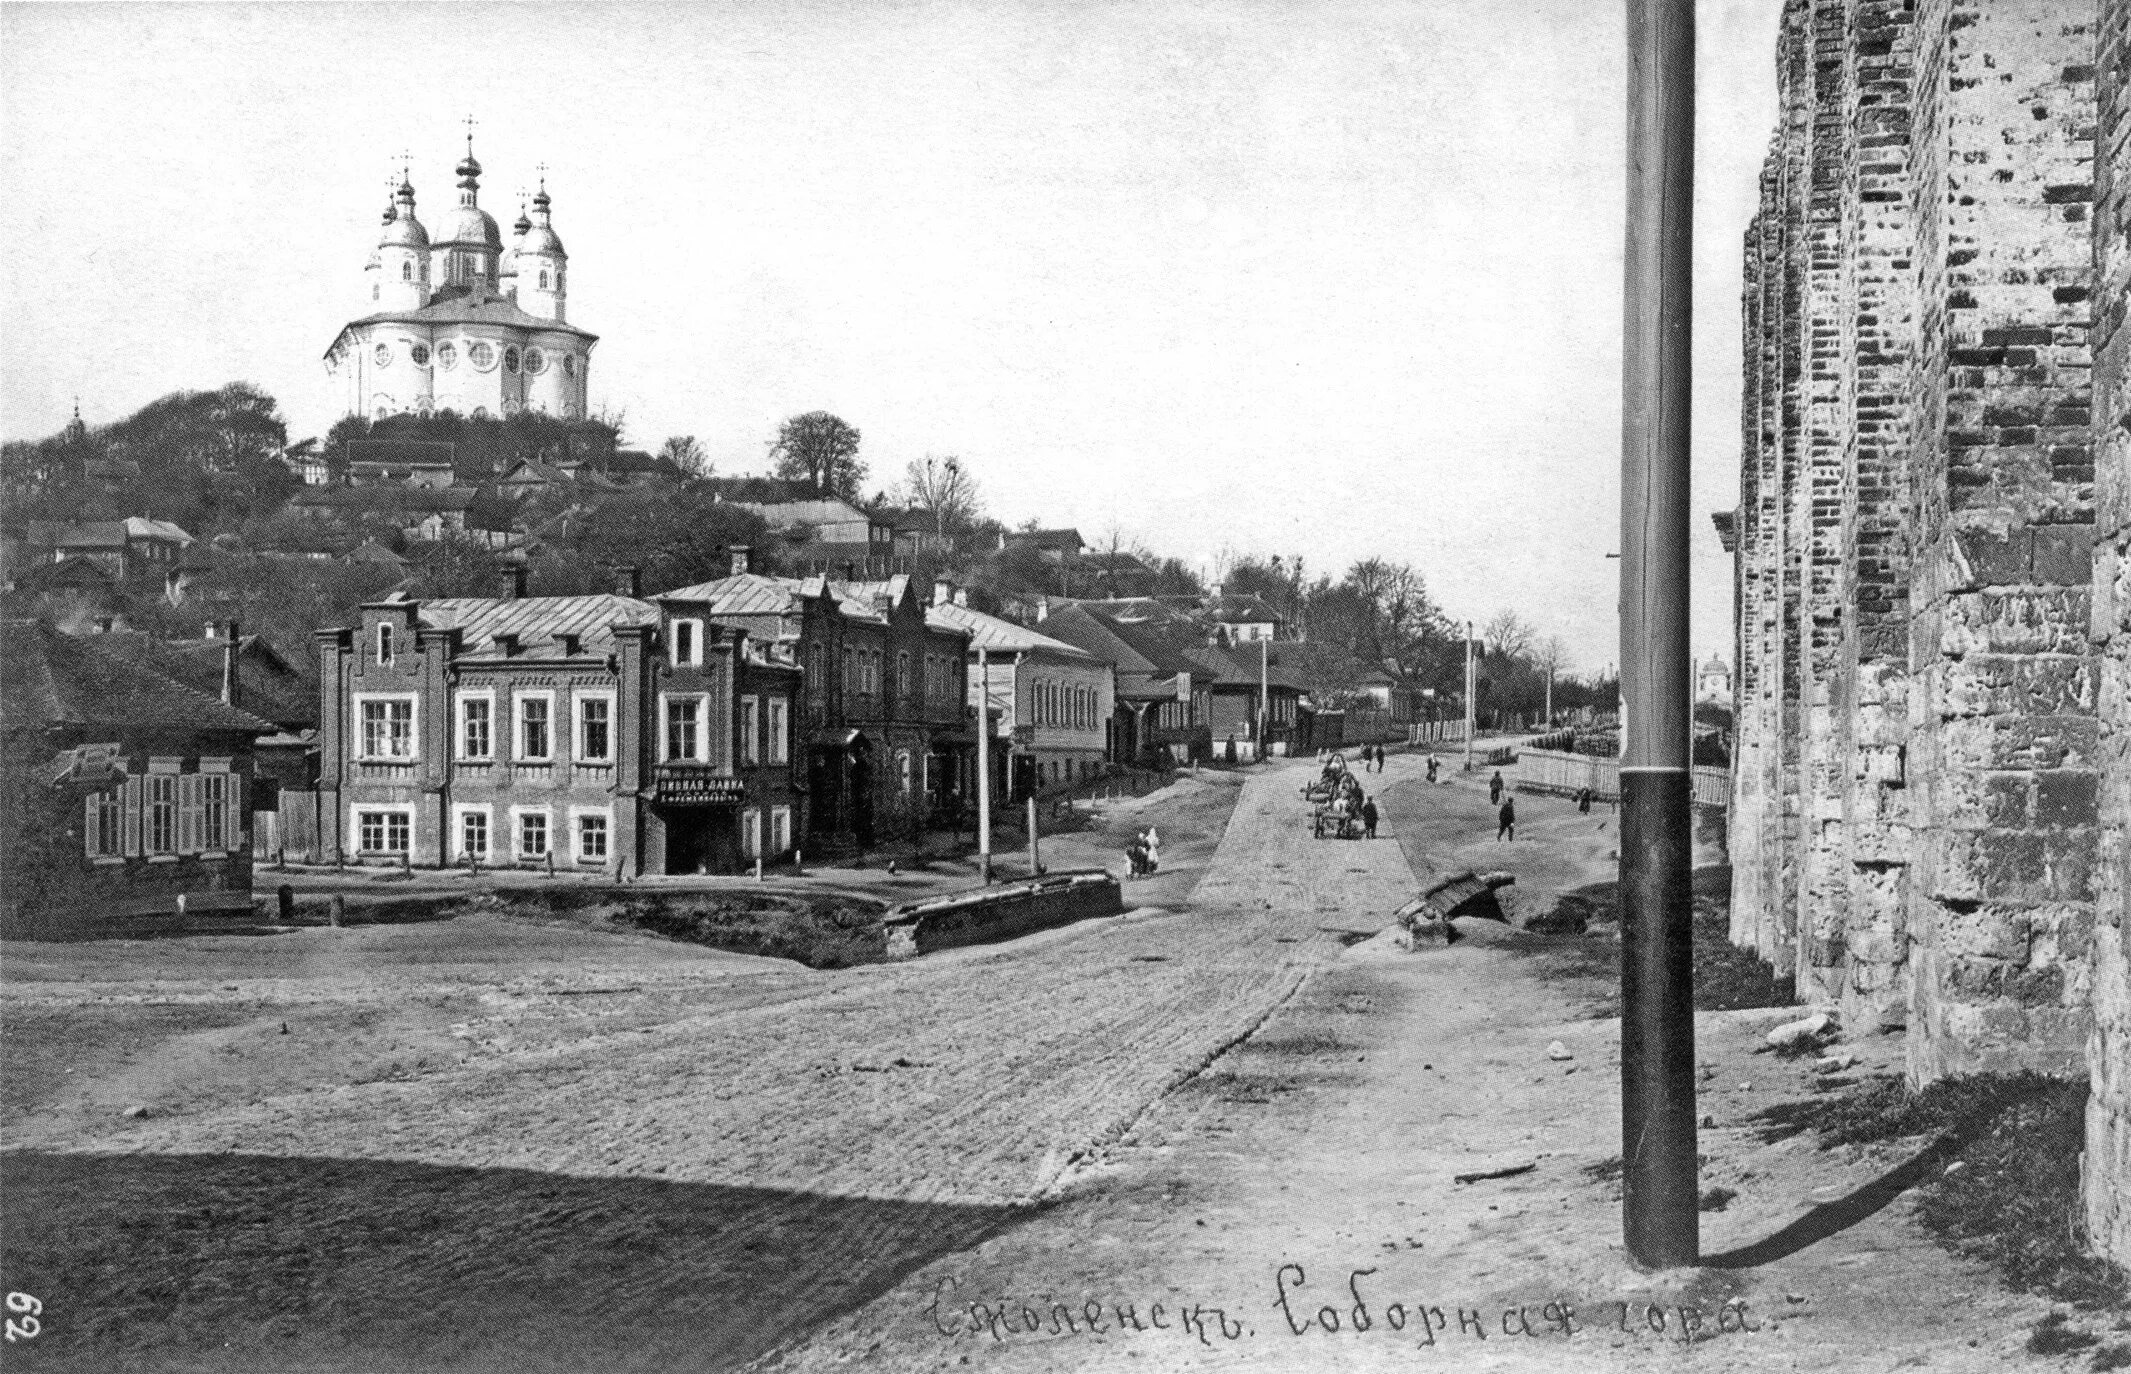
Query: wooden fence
[1564, 775]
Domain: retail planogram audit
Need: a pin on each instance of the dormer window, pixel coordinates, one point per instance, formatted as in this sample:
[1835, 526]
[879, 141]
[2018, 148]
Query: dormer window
[384, 646]
[687, 643]
[570, 646]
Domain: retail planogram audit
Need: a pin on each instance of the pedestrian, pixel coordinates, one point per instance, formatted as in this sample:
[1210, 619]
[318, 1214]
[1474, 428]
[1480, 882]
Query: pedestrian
[1506, 820]
[1431, 768]
[1376, 757]
[1153, 840]
[1583, 801]
[1368, 818]
[1494, 788]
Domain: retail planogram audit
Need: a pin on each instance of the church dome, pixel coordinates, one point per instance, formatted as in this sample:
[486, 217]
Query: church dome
[404, 231]
[541, 239]
[469, 224]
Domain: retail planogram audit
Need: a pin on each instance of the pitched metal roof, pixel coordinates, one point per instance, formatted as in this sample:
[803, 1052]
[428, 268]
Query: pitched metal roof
[475, 306]
[745, 594]
[50, 679]
[539, 622]
[989, 632]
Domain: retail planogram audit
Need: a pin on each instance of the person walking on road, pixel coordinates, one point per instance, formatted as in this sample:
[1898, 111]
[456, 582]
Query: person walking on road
[1494, 788]
[1368, 818]
[1431, 768]
[1506, 820]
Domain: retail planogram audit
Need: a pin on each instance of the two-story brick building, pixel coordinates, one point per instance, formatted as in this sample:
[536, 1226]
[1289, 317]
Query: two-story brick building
[608, 732]
[884, 702]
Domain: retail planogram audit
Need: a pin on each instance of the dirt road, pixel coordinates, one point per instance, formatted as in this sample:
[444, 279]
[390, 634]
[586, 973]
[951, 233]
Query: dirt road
[621, 1154]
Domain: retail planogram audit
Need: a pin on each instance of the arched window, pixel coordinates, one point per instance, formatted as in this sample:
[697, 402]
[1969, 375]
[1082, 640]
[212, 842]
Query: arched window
[406, 271]
[543, 278]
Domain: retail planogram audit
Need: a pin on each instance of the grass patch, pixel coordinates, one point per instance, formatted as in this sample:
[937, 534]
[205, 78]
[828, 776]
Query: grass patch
[2009, 1197]
[821, 932]
[1726, 977]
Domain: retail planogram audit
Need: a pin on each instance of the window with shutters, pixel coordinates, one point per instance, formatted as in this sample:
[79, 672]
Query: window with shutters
[162, 814]
[750, 727]
[751, 832]
[780, 829]
[104, 824]
[216, 813]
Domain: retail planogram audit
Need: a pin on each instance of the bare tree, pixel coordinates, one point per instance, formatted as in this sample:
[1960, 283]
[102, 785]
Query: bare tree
[1508, 634]
[944, 489]
[821, 449]
[685, 453]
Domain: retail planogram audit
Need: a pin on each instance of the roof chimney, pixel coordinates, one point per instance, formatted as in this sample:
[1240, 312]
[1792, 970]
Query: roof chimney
[961, 596]
[943, 592]
[629, 582]
[850, 572]
[517, 573]
[229, 667]
[740, 553]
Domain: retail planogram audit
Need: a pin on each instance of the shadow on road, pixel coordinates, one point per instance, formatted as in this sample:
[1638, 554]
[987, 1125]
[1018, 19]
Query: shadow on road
[246, 1262]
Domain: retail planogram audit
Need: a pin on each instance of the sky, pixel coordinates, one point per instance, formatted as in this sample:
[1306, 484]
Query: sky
[1332, 279]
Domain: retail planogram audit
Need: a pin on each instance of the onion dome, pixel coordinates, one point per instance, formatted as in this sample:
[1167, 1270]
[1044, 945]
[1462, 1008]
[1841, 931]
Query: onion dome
[541, 237]
[402, 229]
[468, 223]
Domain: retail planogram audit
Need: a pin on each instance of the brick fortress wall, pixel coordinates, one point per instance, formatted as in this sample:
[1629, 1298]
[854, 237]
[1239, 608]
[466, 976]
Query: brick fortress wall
[1934, 760]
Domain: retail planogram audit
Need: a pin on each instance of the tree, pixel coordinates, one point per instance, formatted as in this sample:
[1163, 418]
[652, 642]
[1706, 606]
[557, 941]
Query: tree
[685, 453]
[946, 491]
[818, 447]
[1507, 634]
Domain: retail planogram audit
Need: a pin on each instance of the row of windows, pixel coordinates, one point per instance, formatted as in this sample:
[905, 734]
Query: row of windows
[164, 814]
[780, 836]
[765, 729]
[388, 831]
[481, 355]
[1062, 704]
[388, 735]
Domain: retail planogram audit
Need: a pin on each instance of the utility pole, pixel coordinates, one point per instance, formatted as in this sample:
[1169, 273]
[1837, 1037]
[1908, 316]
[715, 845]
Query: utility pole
[984, 765]
[1470, 688]
[1264, 695]
[1659, 1213]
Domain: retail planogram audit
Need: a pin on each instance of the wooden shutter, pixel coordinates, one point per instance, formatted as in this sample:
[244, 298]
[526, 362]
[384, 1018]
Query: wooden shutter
[189, 817]
[233, 813]
[92, 805]
[133, 797]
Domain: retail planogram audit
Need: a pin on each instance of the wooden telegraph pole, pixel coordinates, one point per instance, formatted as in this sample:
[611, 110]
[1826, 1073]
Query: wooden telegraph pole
[984, 764]
[1660, 1218]
[1471, 686]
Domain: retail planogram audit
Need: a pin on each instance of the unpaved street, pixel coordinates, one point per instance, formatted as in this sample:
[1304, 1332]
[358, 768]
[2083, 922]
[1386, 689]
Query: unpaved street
[601, 1151]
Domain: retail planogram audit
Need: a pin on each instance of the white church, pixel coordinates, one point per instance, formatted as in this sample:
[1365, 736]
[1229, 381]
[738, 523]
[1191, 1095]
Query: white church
[460, 323]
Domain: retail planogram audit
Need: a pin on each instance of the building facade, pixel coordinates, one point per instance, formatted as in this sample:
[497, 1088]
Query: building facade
[1052, 702]
[458, 322]
[125, 795]
[599, 733]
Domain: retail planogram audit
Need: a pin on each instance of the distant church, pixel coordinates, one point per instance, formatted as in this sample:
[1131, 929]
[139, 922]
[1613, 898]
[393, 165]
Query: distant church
[458, 323]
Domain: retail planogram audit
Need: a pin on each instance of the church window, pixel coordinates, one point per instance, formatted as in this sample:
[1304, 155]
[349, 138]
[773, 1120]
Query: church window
[536, 362]
[481, 355]
[420, 353]
[383, 354]
[543, 278]
[406, 271]
[447, 356]
[569, 364]
[510, 360]
[374, 289]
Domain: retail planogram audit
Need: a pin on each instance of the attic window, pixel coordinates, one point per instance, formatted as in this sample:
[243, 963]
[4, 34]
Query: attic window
[571, 645]
[384, 646]
[508, 643]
